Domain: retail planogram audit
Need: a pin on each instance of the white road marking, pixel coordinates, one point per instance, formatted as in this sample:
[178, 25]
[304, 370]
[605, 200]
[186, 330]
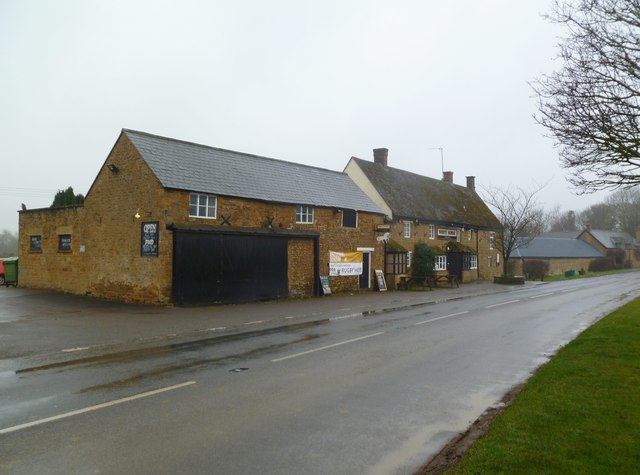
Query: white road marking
[541, 295]
[255, 322]
[570, 290]
[326, 347]
[94, 408]
[80, 348]
[503, 303]
[351, 315]
[442, 318]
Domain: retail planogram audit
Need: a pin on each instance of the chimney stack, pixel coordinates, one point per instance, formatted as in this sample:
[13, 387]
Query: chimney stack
[589, 227]
[471, 183]
[447, 177]
[380, 156]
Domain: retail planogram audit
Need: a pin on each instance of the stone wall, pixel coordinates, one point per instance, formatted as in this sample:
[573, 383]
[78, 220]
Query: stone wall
[556, 266]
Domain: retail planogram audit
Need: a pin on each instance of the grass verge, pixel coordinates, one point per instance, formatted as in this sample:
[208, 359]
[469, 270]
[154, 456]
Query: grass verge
[557, 277]
[580, 413]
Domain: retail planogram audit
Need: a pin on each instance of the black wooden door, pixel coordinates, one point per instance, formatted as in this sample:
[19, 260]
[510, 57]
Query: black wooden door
[454, 264]
[366, 271]
[220, 268]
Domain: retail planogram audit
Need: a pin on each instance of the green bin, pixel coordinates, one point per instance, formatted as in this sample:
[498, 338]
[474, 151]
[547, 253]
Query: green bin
[570, 273]
[11, 271]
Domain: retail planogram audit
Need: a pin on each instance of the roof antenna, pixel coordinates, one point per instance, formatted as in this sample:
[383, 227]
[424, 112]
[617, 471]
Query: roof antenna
[441, 156]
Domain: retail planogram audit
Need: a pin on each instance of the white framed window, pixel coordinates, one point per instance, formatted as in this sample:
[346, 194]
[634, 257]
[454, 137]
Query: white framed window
[407, 229]
[304, 214]
[432, 231]
[492, 237]
[202, 206]
[408, 259]
[473, 261]
[441, 263]
[469, 234]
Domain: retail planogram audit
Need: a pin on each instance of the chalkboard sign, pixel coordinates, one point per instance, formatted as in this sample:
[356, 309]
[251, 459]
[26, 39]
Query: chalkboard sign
[149, 238]
[64, 243]
[324, 281]
[382, 284]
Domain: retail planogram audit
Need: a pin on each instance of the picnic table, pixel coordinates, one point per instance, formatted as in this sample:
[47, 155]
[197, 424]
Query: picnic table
[429, 281]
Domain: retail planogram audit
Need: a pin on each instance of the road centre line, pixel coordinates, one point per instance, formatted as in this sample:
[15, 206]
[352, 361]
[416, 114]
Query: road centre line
[295, 355]
[443, 317]
[503, 303]
[94, 408]
[351, 315]
[541, 295]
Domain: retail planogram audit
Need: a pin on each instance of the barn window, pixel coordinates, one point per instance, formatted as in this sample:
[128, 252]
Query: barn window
[304, 214]
[202, 206]
[349, 218]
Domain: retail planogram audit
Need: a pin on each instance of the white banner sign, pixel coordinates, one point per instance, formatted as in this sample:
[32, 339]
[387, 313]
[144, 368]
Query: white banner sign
[345, 263]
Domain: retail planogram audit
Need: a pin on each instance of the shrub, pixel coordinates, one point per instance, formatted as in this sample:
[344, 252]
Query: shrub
[601, 264]
[424, 260]
[536, 269]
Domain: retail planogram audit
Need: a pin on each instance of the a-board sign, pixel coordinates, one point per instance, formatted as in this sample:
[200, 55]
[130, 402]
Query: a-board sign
[149, 238]
[382, 284]
[324, 281]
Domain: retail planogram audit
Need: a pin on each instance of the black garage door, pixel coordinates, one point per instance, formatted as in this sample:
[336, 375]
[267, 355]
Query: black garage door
[221, 268]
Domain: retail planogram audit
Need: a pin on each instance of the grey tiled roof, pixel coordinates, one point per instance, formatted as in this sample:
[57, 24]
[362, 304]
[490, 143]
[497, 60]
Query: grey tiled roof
[613, 239]
[412, 196]
[562, 234]
[549, 247]
[192, 167]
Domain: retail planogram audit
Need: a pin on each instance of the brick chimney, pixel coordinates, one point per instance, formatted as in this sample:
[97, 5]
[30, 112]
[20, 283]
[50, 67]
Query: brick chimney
[447, 177]
[471, 183]
[589, 228]
[380, 156]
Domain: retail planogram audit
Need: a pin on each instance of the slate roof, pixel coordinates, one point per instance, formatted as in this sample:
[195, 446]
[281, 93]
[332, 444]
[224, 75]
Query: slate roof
[558, 248]
[613, 239]
[562, 234]
[412, 196]
[199, 168]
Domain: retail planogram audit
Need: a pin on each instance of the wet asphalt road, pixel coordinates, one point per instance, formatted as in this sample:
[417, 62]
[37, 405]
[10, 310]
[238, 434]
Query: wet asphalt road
[355, 394]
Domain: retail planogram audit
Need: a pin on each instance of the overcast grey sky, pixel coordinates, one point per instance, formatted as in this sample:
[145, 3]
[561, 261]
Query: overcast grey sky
[308, 82]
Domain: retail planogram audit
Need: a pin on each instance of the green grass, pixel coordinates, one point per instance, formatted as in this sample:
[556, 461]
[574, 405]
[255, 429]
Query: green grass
[557, 277]
[580, 413]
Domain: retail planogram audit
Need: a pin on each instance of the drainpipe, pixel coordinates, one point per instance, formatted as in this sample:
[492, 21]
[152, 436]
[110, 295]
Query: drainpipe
[478, 254]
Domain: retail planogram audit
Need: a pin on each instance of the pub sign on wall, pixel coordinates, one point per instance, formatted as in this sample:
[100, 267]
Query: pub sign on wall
[149, 238]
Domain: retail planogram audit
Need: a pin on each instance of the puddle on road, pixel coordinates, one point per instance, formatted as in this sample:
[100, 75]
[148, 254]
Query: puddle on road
[142, 353]
[200, 363]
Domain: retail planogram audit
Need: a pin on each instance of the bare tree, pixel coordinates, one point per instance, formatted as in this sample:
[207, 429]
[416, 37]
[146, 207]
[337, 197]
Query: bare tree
[521, 217]
[561, 221]
[8, 243]
[625, 207]
[591, 106]
[600, 216]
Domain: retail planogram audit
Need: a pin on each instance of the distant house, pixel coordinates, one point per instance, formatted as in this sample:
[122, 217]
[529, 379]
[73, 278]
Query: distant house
[450, 218]
[606, 241]
[167, 221]
[562, 251]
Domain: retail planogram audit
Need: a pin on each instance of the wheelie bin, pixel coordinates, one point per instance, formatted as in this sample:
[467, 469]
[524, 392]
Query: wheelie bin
[11, 271]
